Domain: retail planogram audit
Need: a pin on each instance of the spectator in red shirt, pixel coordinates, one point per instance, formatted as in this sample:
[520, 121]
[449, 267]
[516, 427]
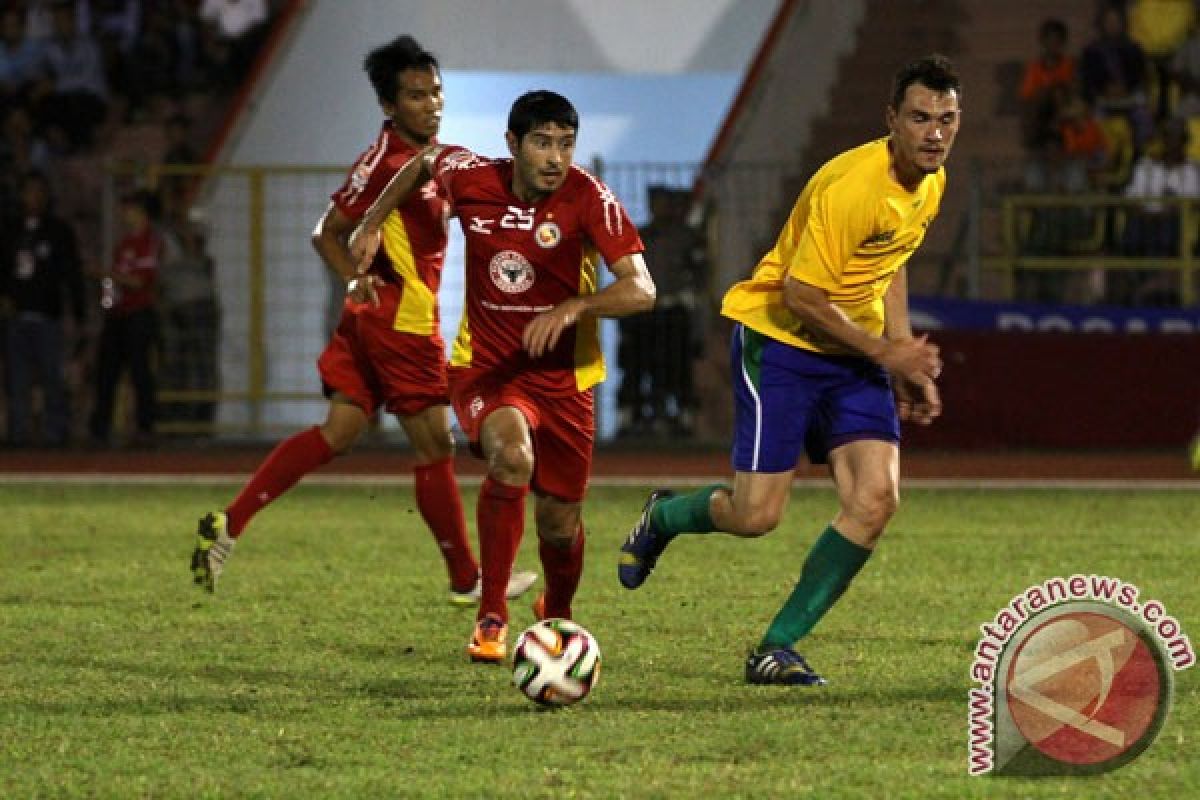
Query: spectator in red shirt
[130, 329]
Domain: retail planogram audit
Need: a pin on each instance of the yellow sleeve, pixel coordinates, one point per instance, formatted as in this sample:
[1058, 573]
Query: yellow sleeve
[835, 227]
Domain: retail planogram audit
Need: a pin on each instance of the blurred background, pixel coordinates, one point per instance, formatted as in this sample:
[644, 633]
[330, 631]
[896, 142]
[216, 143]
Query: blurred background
[1060, 277]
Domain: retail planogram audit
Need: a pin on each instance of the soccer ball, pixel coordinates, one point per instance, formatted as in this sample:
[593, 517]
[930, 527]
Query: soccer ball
[556, 662]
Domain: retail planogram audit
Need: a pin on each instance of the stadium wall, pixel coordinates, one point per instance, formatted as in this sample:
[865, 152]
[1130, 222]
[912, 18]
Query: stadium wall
[1065, 391]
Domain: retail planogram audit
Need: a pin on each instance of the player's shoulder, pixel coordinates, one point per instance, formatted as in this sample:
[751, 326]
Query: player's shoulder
[854, 175]
[582, 183]
[867, 162]
[456, 158]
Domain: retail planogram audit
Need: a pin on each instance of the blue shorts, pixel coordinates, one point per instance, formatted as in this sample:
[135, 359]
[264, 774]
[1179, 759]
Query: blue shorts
[788, 399]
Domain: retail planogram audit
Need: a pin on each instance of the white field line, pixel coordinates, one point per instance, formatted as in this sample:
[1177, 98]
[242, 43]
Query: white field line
[221, 479]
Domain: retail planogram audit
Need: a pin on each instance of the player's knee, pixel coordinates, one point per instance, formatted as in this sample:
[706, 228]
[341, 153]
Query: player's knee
[438, 448]
[512, 463]
[340, 438]
[757, 521]
[559, 536]
[872, 509]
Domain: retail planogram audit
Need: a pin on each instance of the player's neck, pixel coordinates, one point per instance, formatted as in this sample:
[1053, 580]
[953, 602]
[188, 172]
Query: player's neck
[524, 192]
[408, 137]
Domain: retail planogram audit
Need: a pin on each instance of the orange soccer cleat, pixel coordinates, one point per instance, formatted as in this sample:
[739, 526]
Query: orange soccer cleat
[489, 640]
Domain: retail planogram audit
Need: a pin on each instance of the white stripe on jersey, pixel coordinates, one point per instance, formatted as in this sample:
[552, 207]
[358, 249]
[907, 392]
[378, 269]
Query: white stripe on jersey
[612, 206]
[367, 164]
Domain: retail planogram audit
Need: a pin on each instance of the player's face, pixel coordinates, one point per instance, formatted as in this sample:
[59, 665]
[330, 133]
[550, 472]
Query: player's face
[542, 158]
[923, 130]
[417, 110]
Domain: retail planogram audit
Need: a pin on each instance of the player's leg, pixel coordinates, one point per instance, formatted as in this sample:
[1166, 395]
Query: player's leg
[857, 433]
[506, 444]
[563, 440]
[770, 416]
[561, 544]
[865, 473]
[438, 498]
[291, 460]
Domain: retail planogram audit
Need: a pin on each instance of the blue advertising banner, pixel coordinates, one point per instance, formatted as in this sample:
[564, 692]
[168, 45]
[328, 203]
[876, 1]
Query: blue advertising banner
[936, 313]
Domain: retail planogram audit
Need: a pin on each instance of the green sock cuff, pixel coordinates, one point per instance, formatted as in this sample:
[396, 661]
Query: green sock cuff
[685, 513]
[834, 547]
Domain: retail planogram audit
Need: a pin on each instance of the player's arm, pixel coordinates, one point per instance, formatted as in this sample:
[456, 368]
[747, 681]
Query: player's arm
[916, 401]
[914, 359]
[364, 242]
[331, 240]
[632, 292]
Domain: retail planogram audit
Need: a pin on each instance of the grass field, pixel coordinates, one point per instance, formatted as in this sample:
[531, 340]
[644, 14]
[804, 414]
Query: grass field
[330, 664]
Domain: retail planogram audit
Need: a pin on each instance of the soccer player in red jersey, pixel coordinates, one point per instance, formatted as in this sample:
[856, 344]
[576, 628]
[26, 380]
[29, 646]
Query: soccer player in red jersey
[387, 349]
[527, 353]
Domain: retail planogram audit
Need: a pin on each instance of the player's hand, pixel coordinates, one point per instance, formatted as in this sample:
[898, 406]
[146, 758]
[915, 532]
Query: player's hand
[917, 402]
[543, 331]
[914, 360]
[361, 289]
[364, 244]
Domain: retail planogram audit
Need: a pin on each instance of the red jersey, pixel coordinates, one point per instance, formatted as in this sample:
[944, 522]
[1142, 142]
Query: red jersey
[139, 255]
[414, 235]
[525, 259]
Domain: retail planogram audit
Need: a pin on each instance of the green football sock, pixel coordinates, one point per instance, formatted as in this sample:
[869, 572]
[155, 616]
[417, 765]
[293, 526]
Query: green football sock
[684, 513]
[831, 564]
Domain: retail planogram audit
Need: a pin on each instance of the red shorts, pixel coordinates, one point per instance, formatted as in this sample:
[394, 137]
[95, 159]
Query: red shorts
[563, 428]
[375, 365]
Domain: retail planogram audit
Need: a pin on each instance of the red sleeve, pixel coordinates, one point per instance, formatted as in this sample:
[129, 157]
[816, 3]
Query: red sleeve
[606, 222]
[451, 166]
[365, 181]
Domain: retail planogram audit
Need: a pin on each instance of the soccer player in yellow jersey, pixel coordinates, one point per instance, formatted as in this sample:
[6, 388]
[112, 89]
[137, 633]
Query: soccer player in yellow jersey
[824, 361]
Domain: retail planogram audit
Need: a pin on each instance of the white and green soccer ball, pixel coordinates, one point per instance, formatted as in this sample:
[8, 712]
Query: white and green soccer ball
[556, 662]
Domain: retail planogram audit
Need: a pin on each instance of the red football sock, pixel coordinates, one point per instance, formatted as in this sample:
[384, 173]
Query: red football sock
[291, 460]
[441, 507]
[500, 516]
[563, 568]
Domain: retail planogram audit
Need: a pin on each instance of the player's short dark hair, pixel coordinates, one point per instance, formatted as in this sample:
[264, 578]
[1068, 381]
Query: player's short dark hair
[539, 107]
[933, 72]
[1053, 26]
[386, 62]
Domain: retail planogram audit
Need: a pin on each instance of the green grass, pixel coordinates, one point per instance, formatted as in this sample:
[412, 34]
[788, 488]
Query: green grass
[331, 665]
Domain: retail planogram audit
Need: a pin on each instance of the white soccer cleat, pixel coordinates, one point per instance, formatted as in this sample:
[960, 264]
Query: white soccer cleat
[518, 584]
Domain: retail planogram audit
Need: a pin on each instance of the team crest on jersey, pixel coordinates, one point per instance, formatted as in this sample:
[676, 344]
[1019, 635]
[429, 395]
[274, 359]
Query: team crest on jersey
[547, 235]
[511, 272]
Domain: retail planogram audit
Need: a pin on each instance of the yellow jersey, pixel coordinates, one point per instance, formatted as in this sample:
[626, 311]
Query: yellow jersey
[852, 228]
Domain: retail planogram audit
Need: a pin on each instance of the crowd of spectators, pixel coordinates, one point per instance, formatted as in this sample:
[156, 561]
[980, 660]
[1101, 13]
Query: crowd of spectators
[86, 85]
[1119, 116]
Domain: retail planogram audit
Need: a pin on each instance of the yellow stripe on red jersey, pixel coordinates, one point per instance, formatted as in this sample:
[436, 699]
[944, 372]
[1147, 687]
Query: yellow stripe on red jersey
[852, 228]
[417, 310]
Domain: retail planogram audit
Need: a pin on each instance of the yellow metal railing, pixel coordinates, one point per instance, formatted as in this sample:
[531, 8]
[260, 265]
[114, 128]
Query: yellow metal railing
[1088, 252]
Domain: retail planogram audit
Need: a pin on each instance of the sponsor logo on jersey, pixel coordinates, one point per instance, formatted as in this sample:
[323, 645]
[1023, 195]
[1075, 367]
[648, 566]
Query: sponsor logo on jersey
[547, 235]
[511, 272]
[460, 159]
